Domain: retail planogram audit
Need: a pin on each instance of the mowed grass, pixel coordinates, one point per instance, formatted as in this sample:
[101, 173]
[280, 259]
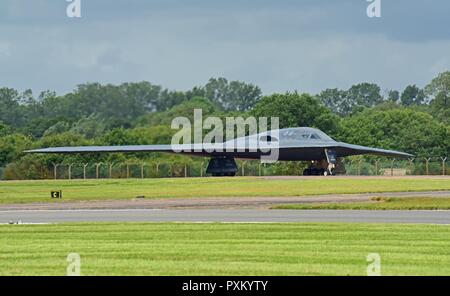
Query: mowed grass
[381, 203]
[80, 190]
[224, 249]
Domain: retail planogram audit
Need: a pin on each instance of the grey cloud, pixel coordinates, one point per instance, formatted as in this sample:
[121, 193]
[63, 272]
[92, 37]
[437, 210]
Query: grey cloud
[279, 45]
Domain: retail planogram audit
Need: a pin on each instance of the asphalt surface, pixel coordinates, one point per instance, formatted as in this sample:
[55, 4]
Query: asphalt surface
[258, 202]
[224, 215]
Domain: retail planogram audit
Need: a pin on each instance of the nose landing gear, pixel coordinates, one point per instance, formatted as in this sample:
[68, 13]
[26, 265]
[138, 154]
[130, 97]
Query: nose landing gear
[324, 167]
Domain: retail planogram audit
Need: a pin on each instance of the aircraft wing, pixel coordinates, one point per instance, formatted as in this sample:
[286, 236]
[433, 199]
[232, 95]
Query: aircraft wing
[104, 149]
[344, 149]
[200, 149]
[304, 151]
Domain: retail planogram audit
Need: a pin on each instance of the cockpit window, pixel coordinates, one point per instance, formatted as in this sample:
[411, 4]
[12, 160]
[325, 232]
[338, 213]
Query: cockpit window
[268, 139]
[300, 135]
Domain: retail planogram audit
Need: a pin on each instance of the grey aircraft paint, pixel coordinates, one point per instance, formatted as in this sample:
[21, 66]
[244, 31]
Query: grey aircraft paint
[294, 144]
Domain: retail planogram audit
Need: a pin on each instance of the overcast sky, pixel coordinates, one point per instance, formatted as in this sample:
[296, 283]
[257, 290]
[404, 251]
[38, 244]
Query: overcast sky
[280, 45]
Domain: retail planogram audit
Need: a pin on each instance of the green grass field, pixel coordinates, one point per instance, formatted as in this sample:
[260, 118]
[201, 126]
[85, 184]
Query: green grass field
[39, 191]
[412, 203]
[224, 249]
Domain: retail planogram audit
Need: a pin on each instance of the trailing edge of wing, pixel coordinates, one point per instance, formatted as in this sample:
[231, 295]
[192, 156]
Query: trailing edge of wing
[186, 148]
[357, 149]
[100, 149]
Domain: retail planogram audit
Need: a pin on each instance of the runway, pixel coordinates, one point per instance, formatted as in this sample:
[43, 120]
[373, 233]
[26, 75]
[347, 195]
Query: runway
[224, 215]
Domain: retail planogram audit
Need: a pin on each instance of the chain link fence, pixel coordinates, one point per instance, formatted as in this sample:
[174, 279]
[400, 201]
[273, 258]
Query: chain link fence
[412, 167]
[356, 166]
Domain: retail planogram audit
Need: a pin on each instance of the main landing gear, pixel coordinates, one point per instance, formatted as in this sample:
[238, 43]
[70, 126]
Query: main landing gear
[222, 166]
[317, 171]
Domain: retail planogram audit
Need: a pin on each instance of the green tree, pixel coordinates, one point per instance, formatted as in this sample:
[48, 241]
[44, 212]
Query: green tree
[297, 110]
[439, 91]
[364, 94]
[4, 129]
[412, 95]
[336, 100]
[168, 99]
[66, 139]
[10, 109]
[399, 129]
[393, 96]
[12, 147]
[184, 109]
[353, 100]
[232, 96]
[138, 136]
[38, 126]
[57, 128]
[116, 105]
[90, 127]
[28, 167]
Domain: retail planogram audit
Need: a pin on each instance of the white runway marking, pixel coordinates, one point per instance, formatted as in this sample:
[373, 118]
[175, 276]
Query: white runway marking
[225, 215]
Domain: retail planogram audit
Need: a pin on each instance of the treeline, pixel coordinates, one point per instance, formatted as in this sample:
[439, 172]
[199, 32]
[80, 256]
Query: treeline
[413, 120]
[111, 106]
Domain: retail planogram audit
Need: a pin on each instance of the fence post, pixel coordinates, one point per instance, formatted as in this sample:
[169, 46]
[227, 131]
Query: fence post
[392, 167]
[171, 170]
[84, 170]
[201, 169]
[243, 168]
[97, 165]
[259, 169]
[376, 167]
[359, 167]
[128, 170]
[70, 171]
[110, 170]
[411, 164]
[55, 168]
[350, 163]
[444, 159]
[142, 171]
[427, 165]
[185, 170]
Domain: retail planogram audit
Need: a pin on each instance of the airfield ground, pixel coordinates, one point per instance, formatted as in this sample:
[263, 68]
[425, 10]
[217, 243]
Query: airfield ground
[224, 249]
[16, 192]
[137, 248]
[376, 203]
